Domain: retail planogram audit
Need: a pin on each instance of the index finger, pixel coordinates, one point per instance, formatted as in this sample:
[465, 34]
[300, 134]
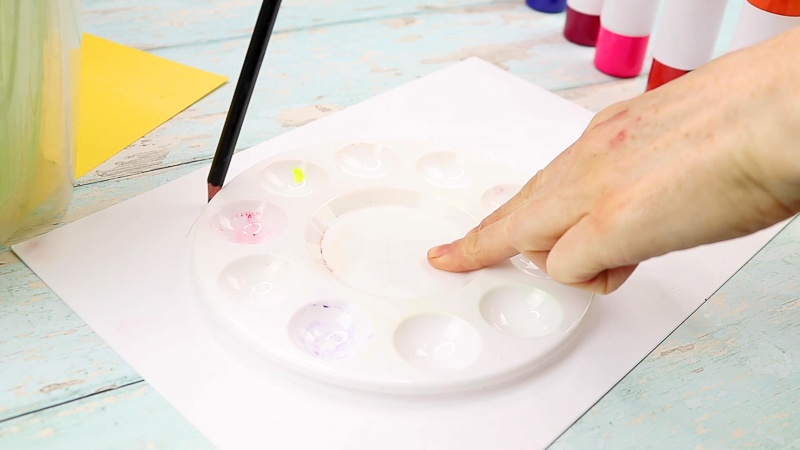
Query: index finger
[481, 247]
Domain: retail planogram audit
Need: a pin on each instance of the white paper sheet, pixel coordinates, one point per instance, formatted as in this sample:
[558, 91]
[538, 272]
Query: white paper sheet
[124, 271]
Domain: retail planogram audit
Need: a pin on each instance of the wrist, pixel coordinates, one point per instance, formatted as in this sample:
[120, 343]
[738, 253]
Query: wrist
[775, 118]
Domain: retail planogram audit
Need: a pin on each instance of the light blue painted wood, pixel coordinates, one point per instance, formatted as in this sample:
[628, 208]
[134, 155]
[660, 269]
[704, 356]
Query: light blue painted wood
[48, 355]
[327, 68]
[729, 377]
[327, 56]
[171, 23]
[39, 333]
[133, 417]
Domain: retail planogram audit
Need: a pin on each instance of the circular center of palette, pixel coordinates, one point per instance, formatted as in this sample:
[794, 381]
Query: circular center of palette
[376, 241]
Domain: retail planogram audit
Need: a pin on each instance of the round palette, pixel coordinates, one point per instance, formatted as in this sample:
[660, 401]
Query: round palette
[316, 258]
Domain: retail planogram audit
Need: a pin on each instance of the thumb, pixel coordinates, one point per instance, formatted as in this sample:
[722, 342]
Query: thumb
[584, 258]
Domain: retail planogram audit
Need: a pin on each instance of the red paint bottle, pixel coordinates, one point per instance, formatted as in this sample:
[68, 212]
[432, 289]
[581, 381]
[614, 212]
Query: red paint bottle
[684, 39]
[760, 20]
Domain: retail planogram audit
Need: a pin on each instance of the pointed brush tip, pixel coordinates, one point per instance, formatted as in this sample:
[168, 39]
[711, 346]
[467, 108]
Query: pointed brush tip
[212, 191]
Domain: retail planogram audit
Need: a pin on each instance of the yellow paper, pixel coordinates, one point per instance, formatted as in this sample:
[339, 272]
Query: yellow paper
[126, 93]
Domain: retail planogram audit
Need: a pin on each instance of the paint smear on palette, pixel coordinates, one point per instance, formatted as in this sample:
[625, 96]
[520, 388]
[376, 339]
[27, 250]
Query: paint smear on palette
[299, 175]
[329, 331]
[248, 227]
[250, 222]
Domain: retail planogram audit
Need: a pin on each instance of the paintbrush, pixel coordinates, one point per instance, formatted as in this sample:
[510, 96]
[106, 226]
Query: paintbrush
[242, 94]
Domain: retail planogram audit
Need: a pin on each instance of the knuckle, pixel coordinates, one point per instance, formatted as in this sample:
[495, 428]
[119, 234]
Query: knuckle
[534, 184]
[511, 233]
[474, 251]
[470, 246]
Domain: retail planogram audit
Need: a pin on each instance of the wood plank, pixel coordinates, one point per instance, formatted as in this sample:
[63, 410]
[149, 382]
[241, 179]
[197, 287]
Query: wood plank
[727, 378]
[312, 72]
[170, 23]
[132, 417]
[48, 354]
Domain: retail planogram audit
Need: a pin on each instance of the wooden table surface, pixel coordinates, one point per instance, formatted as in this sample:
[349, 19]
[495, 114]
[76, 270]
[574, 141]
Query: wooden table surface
[725, 379]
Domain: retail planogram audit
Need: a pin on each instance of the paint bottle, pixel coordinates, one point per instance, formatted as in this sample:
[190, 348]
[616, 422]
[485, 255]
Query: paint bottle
[760, 20]
[684, 38]
[583, 21]
[547, 6]
[625, 27]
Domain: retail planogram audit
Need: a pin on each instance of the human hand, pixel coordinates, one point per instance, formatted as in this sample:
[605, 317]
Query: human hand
[710, 156]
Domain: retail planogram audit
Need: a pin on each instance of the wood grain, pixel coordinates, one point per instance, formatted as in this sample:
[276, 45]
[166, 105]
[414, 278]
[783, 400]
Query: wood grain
[727, 378]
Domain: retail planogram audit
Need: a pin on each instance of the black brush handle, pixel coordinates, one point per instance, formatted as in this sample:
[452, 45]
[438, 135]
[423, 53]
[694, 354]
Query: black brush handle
[242, 93]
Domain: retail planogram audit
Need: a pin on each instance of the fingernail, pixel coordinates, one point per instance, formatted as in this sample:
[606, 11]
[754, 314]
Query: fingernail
[436, 252]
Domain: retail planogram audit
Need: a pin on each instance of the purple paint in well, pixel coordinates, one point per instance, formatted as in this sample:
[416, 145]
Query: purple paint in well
[328, 330]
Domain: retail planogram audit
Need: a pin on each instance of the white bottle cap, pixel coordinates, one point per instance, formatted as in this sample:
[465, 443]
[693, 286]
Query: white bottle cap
[588, 7]
[630, 18]
[687, 31]
[756, 25]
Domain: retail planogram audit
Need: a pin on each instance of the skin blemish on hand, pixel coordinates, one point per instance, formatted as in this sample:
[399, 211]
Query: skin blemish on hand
[299, 175]
[619, 138]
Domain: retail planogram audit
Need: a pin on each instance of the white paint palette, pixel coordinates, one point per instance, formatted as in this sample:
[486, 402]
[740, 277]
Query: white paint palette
[316, 259]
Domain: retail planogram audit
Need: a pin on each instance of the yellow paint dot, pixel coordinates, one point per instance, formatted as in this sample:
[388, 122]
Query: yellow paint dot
[299, 176]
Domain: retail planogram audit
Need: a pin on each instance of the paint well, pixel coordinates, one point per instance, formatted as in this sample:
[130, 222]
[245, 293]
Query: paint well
[249, 221]
[522, 311]
[256, 278]
[528, 267]
[448, 169]
[438, 342]
[367, 160]
[293, 178]
[330, 329]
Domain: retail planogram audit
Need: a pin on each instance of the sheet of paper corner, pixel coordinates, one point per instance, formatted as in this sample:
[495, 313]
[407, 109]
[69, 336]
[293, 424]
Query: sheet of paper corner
[134, 291]
[155, 90]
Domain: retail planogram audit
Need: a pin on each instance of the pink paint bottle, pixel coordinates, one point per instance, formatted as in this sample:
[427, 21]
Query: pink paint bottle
[625, 27]
[583, 21]
[685, 38]
[760, 20]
